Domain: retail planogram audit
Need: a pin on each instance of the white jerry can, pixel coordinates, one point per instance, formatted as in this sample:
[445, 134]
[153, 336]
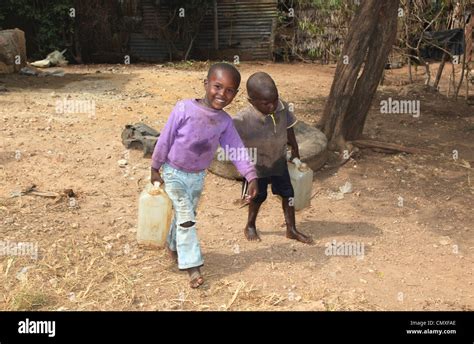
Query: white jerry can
[302, 180]
[154, 216]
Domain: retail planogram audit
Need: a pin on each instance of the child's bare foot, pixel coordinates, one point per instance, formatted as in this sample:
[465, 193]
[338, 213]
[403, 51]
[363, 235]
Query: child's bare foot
[291, 231]
[294, 234]
[172, 254]
[250, 230]
[251, 233]
[195, 278]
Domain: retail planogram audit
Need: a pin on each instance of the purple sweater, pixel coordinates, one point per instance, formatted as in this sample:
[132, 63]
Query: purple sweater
[191, 136]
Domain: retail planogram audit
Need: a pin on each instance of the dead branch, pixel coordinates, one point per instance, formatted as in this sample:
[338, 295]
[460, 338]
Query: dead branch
[391, 147]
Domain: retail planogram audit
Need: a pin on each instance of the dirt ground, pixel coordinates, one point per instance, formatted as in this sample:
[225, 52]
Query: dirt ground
[412, 213]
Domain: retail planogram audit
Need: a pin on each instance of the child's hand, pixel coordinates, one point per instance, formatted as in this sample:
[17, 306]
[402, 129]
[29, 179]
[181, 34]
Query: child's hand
[295, 154]
[156, 177]
[293, 144]
[252, 190]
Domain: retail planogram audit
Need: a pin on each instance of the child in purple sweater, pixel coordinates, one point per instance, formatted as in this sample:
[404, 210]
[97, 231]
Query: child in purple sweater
[186, 148]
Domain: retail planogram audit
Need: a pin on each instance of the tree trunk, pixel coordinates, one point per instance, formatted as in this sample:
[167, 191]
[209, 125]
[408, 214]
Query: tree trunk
[371, 36]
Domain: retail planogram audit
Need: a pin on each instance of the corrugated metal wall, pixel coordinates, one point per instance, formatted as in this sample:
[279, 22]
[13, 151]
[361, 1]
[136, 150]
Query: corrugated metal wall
[245, 28]
[145, 45]
[148, 49]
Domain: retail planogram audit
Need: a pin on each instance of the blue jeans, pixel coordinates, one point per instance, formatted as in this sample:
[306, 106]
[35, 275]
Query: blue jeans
[184, 190]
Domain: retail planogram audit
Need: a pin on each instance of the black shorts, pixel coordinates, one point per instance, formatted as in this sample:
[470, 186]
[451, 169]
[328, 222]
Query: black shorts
[281, 185]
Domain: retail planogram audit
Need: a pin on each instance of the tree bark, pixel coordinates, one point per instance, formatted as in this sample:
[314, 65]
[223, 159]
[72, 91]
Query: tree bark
[366, 87]
[369, 42]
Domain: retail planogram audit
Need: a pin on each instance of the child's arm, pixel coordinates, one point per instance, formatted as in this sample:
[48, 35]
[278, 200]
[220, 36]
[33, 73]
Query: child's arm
[230, 137]
[290, 123]
[295, 153]
[163, 145]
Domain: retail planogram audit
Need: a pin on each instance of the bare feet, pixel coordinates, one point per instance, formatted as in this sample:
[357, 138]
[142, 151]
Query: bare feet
[291, 231]
[250, 230]
[195, 278]
[294, 234]
[251, 233]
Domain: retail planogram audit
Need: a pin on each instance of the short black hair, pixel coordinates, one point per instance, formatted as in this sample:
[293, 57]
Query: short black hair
[228, 68]
[261, 84]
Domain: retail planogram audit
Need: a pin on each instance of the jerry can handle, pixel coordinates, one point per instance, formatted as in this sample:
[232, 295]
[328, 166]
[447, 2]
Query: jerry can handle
[297, 162]
[155, 189]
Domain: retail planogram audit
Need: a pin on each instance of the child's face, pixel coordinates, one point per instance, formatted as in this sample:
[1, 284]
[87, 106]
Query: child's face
[221, 88]
[266, 104]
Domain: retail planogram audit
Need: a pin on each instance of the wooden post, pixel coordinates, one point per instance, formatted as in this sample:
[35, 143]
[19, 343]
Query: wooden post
[468, 34]
[216, 27]
[407, 37]
[440, 69]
